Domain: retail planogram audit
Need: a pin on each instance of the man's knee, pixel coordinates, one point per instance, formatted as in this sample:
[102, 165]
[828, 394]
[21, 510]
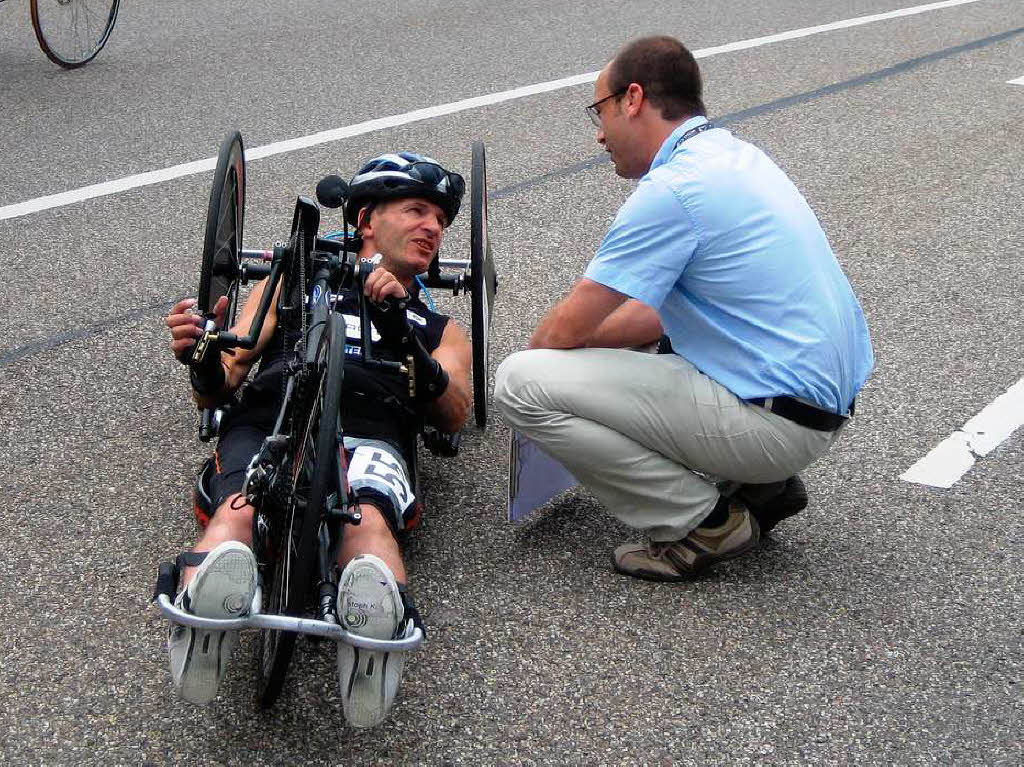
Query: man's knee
[373, 518]
[234, 512]
[504, 378]
[514, 376]
[374, 523]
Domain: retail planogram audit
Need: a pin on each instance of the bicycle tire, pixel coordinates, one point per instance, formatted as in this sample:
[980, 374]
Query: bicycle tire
[222, 242]
[317, 457]
[482, 283]
[68, 33]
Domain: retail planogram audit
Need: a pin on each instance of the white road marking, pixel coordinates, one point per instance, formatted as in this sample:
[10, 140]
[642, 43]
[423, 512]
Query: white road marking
[956, 454]
[1018, 81]
[304, 142]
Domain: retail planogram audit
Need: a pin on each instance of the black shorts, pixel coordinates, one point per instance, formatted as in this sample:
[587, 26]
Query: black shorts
[378, 473]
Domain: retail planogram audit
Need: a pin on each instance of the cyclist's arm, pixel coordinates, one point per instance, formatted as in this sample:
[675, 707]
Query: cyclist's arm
[455, 354]
[238, 362]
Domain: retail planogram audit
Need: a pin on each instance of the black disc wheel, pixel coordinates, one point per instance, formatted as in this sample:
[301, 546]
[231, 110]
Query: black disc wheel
[222, 243]
[72, 32]
[315, 483]
[483, 283]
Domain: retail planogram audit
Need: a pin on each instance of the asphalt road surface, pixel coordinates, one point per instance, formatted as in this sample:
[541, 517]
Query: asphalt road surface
[881, 625]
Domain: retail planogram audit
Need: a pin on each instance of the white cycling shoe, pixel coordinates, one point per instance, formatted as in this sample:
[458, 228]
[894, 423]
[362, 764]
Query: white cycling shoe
[370, 605]
[223, 587]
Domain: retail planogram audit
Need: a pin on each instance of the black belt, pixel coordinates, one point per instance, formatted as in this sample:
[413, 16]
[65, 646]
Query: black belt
[798, 412]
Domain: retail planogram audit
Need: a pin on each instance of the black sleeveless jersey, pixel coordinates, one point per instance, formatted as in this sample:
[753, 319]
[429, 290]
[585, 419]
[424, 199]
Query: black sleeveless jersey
[375, 403]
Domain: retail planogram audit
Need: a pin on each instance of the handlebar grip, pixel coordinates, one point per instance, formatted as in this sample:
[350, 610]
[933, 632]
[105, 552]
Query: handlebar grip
[166, 581]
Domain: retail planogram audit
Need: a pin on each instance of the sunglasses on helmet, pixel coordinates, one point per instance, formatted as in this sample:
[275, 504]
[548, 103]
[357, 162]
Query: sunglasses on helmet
[434, 175]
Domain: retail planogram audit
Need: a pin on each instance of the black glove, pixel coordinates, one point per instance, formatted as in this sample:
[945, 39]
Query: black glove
[389, 318]
[394, 328]
[431, 380]
[207, 376]
[208, 379]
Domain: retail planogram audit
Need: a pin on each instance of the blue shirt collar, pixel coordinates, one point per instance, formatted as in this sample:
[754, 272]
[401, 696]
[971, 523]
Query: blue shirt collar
[665, 153]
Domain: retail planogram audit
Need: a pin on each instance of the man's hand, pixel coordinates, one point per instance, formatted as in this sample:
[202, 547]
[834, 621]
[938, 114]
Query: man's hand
[388, 298]
[186, 326]
[381, 284]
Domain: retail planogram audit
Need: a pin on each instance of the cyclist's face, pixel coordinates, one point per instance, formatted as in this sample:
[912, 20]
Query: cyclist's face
[408, 232]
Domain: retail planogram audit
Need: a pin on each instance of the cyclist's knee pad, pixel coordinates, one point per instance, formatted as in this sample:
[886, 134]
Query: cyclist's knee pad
[202, 503]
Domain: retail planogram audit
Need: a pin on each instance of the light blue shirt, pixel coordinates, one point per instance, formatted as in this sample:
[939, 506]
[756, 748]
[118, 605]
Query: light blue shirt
[719, 241]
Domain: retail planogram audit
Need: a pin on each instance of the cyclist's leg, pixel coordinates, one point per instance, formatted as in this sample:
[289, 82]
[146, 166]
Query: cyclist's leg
[373, 535]
[232, 518]
[232, 521]
[378, 475]
[220, 576]
[372, 597]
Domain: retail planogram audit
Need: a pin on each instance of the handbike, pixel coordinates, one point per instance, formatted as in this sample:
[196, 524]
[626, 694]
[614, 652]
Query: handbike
[297, 482]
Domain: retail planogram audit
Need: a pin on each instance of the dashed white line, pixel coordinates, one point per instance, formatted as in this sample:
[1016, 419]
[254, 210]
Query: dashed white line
[1018, 81]
[303, 142]
[954, 456]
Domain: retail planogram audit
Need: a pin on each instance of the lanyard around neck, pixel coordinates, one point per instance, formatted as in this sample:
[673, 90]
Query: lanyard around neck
[693, 132]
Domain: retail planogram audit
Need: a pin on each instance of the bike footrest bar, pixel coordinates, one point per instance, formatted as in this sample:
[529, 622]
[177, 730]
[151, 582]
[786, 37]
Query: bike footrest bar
[288, 623]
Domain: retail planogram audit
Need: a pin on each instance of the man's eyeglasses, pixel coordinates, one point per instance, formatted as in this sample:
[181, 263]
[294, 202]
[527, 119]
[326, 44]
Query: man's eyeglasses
[594, 113]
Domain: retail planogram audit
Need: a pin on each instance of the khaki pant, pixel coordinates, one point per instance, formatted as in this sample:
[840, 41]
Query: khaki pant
[648, 434]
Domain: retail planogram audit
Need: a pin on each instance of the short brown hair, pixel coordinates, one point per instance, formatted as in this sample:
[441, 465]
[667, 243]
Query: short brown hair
[666, 71]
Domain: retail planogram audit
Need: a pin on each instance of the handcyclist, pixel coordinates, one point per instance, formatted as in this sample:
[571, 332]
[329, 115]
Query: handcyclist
[401, 204]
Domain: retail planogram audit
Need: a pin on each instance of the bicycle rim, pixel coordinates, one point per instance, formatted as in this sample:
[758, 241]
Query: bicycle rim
[222, 242]
[72, 32]
[315, 480]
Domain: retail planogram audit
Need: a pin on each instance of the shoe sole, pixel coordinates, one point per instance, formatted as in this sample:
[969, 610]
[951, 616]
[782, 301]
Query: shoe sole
[223, 590]
[650, 575]
[369, 679]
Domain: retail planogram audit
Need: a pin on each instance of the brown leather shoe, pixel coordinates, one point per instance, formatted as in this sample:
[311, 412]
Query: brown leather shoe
[683, 559]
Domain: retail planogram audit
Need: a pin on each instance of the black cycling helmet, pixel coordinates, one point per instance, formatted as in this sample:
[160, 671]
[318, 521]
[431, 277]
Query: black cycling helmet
[405, 174]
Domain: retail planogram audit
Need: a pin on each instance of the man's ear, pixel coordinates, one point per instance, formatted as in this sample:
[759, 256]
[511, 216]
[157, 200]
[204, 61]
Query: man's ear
[634, 99]
[363, 220]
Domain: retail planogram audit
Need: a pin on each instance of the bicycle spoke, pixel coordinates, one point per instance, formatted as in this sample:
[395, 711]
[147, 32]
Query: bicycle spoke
[71, 32]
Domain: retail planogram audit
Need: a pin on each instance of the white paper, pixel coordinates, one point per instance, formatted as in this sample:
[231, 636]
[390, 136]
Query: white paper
[534, 477]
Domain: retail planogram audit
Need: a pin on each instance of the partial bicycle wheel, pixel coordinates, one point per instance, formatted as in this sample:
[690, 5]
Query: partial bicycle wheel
[316, 481]
[72, 32]
[222, 243]
[483, 283]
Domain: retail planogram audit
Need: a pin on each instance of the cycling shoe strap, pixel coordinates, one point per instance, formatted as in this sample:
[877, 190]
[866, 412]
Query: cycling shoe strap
[411, 613]
[190, 559]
